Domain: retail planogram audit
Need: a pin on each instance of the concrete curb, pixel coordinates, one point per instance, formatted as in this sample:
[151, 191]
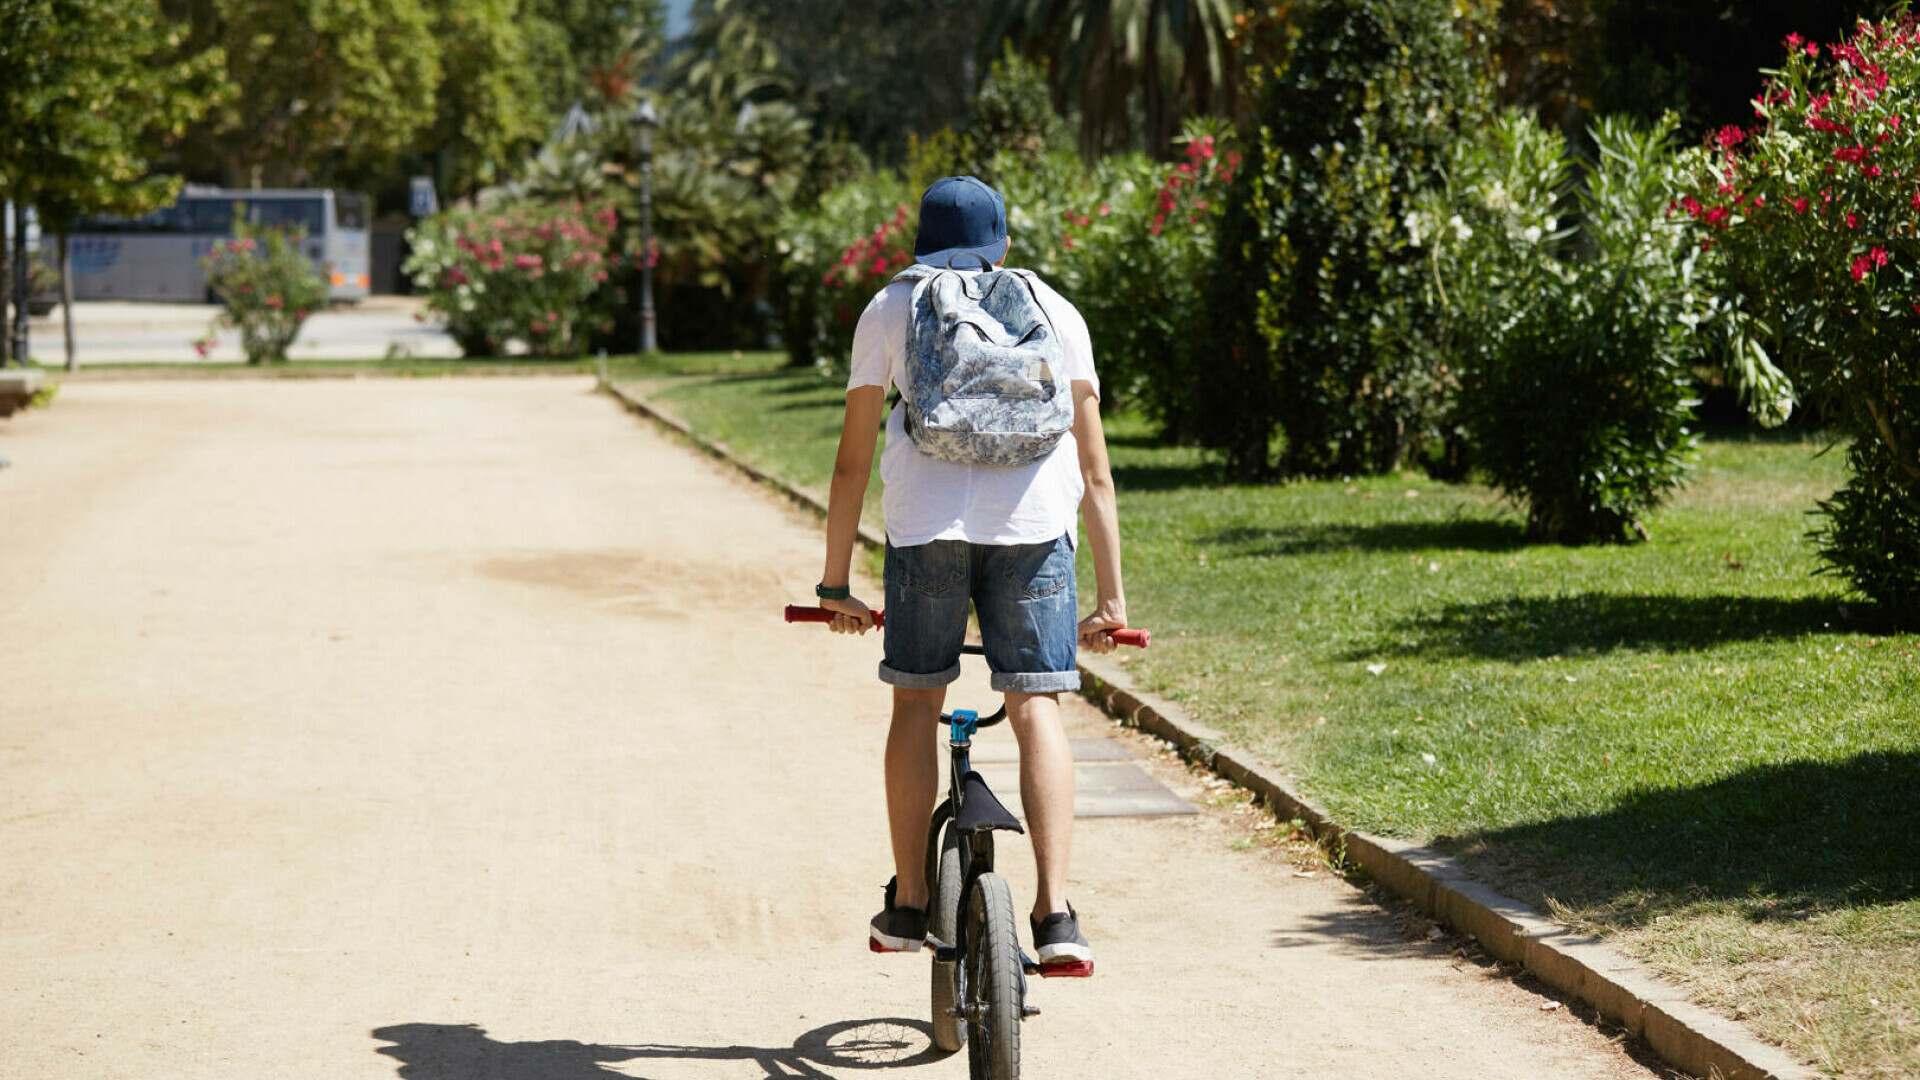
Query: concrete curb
[1621, 990]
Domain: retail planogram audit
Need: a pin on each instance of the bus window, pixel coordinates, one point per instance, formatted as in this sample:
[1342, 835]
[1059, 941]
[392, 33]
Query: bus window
[350, 210]
[307, 214]
[164, 220]
[213, 216]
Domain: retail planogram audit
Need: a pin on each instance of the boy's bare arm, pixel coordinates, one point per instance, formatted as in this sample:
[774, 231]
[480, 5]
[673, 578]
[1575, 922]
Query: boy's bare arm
[1100, 515]
[852, 467]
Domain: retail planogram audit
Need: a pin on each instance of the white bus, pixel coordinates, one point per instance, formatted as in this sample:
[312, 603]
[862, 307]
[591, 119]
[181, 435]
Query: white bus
[157, 257]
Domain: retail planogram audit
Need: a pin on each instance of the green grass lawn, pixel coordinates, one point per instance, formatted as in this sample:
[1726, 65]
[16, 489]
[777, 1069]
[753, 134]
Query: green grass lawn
[1695, 746]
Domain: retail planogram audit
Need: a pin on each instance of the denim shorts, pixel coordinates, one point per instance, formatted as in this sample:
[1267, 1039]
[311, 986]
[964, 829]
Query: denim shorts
[1024, 595]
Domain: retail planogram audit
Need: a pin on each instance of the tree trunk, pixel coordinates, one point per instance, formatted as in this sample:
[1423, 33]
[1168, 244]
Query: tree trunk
[6, 275]
[22, 278]
[66, 299]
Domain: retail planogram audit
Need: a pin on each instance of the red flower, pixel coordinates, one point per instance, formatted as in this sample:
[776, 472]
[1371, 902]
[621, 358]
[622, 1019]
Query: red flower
[1861, 266]
[1729, 137]
[276, 302]
[1853, 221]
[1879, 256]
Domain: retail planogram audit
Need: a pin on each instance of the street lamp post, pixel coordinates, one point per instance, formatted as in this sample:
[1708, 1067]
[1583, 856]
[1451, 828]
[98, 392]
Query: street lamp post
[640, 126]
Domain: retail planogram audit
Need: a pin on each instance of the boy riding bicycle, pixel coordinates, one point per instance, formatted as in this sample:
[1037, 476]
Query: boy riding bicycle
[999, 536]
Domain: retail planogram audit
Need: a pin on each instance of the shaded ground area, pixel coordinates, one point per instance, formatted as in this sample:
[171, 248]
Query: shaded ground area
[447, 729]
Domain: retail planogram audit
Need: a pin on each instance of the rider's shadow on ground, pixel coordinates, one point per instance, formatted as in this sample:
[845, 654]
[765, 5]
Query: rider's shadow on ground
[464, 1052]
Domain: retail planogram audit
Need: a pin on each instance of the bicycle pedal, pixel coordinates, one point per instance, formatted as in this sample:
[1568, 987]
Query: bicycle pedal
[874, 946]
[1067, 969]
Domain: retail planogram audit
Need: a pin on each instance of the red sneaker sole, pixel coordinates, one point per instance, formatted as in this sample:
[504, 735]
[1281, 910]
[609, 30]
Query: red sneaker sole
[1067, 969]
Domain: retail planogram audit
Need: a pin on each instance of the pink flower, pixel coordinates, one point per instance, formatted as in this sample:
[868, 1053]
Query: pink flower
[1861, 266]
[1729, 137]
[1879, 256]
[1105, 209]
[526, 262]
[1066, 241]
[276, 302]
[1853, 221]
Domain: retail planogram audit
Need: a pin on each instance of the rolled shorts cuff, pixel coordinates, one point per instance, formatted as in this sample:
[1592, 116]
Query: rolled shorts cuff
[909, 680]
[1032, 682]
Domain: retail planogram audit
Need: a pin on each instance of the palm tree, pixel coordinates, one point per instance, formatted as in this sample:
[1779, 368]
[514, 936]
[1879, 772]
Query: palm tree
[1135, 68]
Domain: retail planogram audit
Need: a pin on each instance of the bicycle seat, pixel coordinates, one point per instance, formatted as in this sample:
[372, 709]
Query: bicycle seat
[981, 809]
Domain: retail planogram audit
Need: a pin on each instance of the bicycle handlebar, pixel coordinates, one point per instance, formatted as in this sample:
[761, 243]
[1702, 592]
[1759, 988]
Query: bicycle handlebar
[797, 613]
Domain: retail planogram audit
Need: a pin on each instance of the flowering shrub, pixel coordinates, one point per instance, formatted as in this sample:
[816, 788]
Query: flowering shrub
[1809, 217]
[516, 273]
[837, 255]
[1141, 259]
[1570, 349]
[268, 288]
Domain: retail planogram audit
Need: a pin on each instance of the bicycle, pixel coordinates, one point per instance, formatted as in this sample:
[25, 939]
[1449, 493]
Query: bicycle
[979, 969]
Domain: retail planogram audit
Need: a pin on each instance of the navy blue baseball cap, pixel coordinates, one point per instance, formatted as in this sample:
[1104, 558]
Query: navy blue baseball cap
[961, 216]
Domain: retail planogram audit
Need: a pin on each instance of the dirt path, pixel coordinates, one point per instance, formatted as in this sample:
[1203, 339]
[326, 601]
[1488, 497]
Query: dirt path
[446, 729]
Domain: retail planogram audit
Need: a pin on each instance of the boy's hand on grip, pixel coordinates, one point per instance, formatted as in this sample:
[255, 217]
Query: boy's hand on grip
[850, 616]
[1094, 638]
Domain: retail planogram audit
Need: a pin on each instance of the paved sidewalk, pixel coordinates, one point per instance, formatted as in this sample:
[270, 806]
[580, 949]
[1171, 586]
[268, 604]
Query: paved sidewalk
[447, 729]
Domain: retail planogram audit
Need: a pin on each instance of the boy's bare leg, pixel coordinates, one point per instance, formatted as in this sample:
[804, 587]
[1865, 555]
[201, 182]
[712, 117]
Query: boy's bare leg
[1046, 792]
[913, 780]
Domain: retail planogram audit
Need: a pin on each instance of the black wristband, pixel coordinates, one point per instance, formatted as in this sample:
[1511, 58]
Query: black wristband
[842, 592]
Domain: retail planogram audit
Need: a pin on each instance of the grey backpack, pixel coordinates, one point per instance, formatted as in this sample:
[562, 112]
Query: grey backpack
[986, 379]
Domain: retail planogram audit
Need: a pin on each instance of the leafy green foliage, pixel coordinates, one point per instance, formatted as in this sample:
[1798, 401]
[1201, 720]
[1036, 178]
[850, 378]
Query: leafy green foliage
[873, 71]
[94, 90]
[487, 107]
[1138, 267]
[523, 273]
[269, 288]
[1872, 530]
[323, 84]
[1572, 348]
[1809, 220]
[1317, 302]
[1013, 111]
[1133, 71]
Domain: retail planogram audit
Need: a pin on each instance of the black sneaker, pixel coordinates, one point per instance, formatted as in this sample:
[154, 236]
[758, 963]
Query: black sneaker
[1063, 949]
[897, 929]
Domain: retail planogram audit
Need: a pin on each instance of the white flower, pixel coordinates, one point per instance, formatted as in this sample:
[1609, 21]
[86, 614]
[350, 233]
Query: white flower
[1461, 230]
[1532, 235]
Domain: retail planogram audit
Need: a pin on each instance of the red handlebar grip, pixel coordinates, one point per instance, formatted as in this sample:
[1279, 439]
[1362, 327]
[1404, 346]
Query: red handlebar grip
[1136, 638]
[798, 613]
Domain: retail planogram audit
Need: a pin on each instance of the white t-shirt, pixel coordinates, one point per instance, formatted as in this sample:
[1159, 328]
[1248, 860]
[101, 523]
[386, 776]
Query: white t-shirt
[927, 499]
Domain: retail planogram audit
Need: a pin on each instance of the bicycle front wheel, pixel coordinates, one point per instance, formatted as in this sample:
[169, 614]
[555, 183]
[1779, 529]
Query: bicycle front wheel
[994, 984]
[944, 921]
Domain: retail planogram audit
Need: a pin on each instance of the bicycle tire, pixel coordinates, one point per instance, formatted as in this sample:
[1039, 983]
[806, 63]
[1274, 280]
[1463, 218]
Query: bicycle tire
[994, 982]
[944, 920]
